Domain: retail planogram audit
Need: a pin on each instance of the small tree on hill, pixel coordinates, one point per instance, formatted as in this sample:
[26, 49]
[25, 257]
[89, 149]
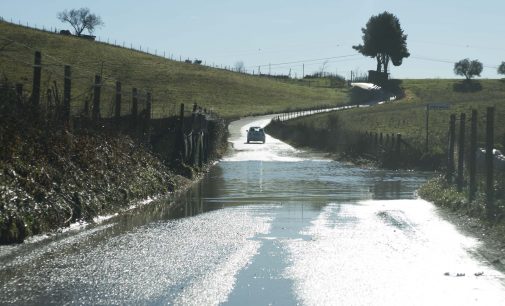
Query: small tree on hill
[468, 68]
[81, 19]
[501, 68]
[239, 66]
[383, 39]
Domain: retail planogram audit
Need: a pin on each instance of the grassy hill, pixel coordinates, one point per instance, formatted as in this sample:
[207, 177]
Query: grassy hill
[407, 115]
[170, 82]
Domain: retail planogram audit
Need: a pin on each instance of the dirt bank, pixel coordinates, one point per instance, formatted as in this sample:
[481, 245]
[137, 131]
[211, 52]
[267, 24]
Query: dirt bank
[52, 175]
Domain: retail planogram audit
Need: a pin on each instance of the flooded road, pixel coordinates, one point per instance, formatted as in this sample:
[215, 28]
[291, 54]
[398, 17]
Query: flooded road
[268, 225]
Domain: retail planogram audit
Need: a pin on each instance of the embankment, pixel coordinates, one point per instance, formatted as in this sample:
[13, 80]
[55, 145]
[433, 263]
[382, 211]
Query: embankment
[331, 135]
[52, 176]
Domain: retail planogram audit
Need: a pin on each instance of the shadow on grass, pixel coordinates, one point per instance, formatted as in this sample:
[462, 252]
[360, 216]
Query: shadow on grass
[394, 86]
[467, 86]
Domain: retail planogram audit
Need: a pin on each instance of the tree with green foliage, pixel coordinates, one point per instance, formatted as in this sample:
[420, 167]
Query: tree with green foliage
[468, 68]
[384, 40]
[81, 19]
[501, 68]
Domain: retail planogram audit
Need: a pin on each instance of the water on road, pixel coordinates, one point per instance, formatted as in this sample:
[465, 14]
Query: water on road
[269, 225]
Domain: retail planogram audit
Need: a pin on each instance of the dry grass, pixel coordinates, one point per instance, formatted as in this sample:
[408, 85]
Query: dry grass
[171, 82]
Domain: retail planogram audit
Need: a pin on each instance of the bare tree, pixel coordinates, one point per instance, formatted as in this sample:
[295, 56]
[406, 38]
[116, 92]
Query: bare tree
[81, 19]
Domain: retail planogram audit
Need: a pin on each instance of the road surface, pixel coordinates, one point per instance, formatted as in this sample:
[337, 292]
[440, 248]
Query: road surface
[269, 224]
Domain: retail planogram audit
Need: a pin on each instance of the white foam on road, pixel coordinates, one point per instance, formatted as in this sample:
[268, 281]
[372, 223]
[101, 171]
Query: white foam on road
[156, 263]
[389, 253]
[272, 150]
[213, 288]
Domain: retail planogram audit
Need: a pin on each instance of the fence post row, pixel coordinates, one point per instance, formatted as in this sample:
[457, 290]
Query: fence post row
[472, 157]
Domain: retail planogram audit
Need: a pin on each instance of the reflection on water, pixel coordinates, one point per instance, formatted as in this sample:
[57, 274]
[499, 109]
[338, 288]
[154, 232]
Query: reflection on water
[313, 183]
[268, 225]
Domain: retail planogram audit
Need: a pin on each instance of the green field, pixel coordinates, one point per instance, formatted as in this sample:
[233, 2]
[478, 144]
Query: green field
[408, 115]
[171, 82]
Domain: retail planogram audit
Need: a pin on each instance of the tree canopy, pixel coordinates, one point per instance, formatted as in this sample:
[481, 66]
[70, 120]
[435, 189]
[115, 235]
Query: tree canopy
[501, 68]
[468, 68]
[384, 39]
[80, 19]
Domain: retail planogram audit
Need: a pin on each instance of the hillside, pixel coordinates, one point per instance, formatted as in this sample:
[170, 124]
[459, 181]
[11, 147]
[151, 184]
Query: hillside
[408, 115]
[171, 82]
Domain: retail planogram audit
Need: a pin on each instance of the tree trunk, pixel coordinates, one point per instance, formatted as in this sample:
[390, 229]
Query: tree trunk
[379, 65]
[386, 63]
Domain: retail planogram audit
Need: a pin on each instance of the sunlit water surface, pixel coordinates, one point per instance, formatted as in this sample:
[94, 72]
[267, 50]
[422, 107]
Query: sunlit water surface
[268, 225]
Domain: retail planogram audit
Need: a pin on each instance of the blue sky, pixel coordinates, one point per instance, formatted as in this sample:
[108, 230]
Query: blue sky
[263, 32]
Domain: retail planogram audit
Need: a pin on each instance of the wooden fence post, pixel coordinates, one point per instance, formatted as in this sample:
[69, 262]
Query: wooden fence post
[472, 158]
[398, 144]
[135, 103]
[19, 92]
[180, 141]
[200, 149]
[461, 151]
[205, 140]
[37, 71]
[95, 112]
[489, 162]
[67, 90]
[147, 119]
[450, 151]
[149, 106]
[117, 107]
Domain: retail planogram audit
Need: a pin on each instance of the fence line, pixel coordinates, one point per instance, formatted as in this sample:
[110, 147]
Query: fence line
[489, 159]
[124, 44]
[311, 111]
[162, 54]
[192, 142]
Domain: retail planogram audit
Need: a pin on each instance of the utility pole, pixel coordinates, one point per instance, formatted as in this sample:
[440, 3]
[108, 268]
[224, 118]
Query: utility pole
[269, 69]
[303, 71]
